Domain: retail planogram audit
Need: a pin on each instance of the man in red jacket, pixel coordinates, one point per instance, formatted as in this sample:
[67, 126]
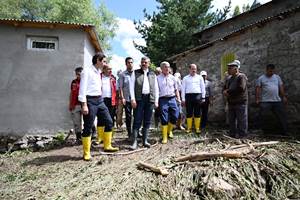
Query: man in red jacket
[74, 105]
[109, 94]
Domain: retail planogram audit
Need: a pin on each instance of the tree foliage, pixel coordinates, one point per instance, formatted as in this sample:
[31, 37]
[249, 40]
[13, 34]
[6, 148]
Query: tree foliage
[236, 11]
[77, 11]
[174, 24]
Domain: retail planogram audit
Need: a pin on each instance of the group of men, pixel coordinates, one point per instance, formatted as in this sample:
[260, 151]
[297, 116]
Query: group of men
[141, 91]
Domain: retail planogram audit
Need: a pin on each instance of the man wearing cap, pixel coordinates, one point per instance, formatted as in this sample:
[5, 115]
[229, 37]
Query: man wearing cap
[90, 96]
[193, 94]
[270, 95]
[168, 93]
[144, 96]
[235, 89]
[208, 99]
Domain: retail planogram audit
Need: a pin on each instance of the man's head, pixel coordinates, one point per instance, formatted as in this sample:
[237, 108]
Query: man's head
[158, 71]
[129, 63]
[145, 63]
[233, 67]
[78, 71]
[99, 60]
[203, 74]
[177, 75]
[165, 67]
[193, 69]
[270, 70]
[106, 70]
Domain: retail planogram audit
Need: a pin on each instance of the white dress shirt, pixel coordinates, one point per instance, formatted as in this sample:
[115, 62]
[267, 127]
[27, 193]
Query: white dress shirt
[106, 87]
[90, 83]
[192, 84]
[146, 87]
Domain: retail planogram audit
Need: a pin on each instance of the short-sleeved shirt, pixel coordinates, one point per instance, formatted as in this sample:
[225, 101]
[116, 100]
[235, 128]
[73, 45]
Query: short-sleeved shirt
[167, 85]
[269, 88]
[208, 88]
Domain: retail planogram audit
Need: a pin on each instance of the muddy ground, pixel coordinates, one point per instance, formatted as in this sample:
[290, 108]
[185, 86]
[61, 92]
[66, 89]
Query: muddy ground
[272, 172]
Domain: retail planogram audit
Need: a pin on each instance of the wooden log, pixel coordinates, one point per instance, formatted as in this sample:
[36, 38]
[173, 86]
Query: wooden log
[159, 170]
[211, 155]
[255, 144]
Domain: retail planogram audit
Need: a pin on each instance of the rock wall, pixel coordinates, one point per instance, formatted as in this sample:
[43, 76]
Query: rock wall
[276, 42]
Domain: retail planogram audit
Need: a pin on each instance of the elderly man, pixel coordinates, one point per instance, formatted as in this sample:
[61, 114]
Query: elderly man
[235, 89]
[144, 96]
[270, 95]
[168, 90]
[90, 96]
[193, 94]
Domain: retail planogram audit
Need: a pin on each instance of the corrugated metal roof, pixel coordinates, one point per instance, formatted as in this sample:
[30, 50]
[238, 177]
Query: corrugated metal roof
[90, 29]
[44, 21]
[232, 33]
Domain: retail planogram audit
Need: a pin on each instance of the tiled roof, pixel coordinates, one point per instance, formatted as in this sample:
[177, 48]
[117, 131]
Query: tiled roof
[232, 33]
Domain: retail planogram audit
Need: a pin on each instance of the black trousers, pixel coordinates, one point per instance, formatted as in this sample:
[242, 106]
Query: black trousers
[204, 112]
[192, 103]
[111, 110]
[97, 108]
[128, 115]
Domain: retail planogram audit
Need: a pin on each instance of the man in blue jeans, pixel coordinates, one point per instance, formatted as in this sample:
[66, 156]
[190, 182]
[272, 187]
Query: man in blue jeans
[144, 96]
[90, 96]
[270, 95]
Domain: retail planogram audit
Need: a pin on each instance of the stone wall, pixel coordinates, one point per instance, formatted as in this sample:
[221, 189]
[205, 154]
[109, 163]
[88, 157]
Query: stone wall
[276, 42]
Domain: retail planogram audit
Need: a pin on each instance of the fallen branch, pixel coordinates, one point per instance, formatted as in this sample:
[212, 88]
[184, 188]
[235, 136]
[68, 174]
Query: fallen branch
[160, 170]
[255, 144]
[211, 155]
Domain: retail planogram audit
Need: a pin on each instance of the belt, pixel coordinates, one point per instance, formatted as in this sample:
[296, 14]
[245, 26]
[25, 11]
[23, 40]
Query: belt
[93, 97]
[166, 97]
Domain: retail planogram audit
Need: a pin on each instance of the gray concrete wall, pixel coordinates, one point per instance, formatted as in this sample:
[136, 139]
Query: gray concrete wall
[277, 42]
[34, 85]
[89, 51]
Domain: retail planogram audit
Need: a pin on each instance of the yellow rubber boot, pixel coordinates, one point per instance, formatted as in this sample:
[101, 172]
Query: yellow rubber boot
[189, 124]
[164, 132]
[170, 130]
[197, 124]
[100, 131]
[86, 144]
[107, 142]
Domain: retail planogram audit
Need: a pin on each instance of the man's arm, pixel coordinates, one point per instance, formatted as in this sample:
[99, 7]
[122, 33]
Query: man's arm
[183, 91]
[257, 94]
[131, 88]
[82, 91]
[282, 93]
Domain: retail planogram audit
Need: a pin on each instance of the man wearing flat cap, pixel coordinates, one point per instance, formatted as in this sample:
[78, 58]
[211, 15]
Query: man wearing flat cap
[235, 89]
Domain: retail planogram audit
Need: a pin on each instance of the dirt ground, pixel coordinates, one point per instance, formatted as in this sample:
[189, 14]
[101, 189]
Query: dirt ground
[60, 173]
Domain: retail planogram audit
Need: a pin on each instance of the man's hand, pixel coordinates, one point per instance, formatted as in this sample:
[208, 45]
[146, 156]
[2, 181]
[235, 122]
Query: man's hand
[257, 101]
[124, 101]
[202, 100]
[284, 99]
[182, 103]
[133, 103]
[85, 109]
[225, 93]
[156, 105]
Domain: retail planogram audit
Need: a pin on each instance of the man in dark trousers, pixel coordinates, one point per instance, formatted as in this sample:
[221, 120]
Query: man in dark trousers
[270, 95]
[124, 80]
[235, 89]
[90, 96]
[144, 96]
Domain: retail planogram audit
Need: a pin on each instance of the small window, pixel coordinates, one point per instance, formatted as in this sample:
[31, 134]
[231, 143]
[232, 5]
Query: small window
[42, 43]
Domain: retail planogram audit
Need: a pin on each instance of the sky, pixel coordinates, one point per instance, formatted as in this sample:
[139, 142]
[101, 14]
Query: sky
[126, 12]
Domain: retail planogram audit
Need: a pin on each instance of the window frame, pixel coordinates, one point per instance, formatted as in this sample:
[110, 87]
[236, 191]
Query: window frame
[42, 39]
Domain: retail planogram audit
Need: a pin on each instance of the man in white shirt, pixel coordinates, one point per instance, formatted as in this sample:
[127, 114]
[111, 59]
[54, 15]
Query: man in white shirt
[168, 93]
[193, 94]
[144, 95]
[90, 96]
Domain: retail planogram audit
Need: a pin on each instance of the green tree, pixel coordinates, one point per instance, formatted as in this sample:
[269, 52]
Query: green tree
[173, 25]
[77, 11]
[236, 11]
